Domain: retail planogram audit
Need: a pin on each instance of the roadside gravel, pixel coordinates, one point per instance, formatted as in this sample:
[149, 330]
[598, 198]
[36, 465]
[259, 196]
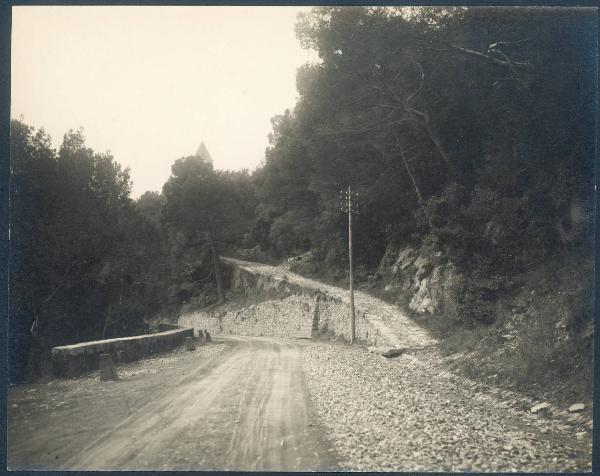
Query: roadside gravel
[48, 422]
[400, 415]
[55, 392]
[154, 364]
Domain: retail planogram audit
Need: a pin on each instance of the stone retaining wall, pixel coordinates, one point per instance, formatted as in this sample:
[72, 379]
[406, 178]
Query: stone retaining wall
[290, 317]
[334, 318]
[76, 359]
[287, 310]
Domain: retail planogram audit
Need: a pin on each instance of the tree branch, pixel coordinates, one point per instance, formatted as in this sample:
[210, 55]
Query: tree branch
[60, 285]
[480, 55]
[420, 85]
[408, 171]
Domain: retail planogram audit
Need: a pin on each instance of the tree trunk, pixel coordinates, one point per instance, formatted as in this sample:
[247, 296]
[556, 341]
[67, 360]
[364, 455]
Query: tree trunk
[32, 365]
[35, 357]
[107, 320]
[439, 147]
[414, 181]
[218, 274]
[424, 120]
[217, 267]
[412, 177]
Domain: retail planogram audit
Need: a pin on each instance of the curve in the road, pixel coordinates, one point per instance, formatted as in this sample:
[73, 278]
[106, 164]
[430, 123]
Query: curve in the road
[246, 410]
[397, 329]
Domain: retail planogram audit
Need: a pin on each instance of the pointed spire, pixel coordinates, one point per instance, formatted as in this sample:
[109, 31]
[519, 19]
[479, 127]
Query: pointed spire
[203, 153]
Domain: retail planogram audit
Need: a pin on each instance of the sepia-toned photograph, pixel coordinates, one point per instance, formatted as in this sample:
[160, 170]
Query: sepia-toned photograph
[295, 238]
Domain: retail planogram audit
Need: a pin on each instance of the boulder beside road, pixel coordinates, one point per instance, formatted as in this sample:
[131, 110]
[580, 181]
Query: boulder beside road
[387, 351]
[540, 407]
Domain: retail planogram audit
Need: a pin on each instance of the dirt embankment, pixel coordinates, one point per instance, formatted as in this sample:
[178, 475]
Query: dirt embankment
[395, 329]
[534, 333]
[275, 302]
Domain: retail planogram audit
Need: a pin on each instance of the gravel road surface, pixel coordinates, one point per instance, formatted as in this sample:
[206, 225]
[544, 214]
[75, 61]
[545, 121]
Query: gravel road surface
[242, 409]
[248, 403]
[400, 415]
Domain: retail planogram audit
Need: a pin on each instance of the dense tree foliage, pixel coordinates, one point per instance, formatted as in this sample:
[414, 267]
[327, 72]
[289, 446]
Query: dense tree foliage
[82, 258]
[207, 208]
[88, 262]
[468, 131]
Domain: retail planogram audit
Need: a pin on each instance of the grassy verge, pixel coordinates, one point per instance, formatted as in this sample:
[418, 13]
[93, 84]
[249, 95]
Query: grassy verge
[533, 346]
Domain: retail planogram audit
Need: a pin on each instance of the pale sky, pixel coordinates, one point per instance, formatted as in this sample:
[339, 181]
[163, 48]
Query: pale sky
[150, 83]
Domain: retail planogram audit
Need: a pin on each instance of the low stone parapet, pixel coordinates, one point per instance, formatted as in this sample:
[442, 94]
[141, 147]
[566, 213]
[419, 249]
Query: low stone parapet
[76, 359]
[299, 313]
[165, 326]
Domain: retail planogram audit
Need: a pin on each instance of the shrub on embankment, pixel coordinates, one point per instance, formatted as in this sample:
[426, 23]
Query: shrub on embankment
[534, 332]
[451, 152]
[541, 338]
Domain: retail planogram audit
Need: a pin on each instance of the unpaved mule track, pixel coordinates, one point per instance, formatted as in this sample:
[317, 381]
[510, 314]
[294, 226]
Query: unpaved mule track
[389, 320]
[246, 409]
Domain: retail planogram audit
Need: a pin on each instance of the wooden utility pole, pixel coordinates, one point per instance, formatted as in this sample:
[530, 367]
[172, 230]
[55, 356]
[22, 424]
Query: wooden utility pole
[349, 206]
[352, 315]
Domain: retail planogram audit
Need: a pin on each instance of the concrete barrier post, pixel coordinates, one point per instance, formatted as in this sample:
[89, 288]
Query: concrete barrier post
[190, 344]
[107, 368]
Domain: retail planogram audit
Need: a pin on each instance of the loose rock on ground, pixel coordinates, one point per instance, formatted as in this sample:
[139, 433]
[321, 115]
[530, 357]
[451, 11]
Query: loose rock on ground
[397, 415]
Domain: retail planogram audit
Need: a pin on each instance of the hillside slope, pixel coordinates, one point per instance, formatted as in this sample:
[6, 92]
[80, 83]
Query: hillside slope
[477, 360]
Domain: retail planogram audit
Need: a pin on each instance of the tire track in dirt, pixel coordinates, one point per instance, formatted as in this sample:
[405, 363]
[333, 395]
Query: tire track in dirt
[246, 410]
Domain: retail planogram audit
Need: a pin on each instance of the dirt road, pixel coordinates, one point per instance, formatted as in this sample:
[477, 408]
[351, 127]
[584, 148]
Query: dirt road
[245, 409]
[248, 403]
[389, 320]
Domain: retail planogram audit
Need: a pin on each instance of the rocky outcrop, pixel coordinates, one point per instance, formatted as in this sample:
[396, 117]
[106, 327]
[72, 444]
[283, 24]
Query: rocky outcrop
[288, 317]
[427, 283]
